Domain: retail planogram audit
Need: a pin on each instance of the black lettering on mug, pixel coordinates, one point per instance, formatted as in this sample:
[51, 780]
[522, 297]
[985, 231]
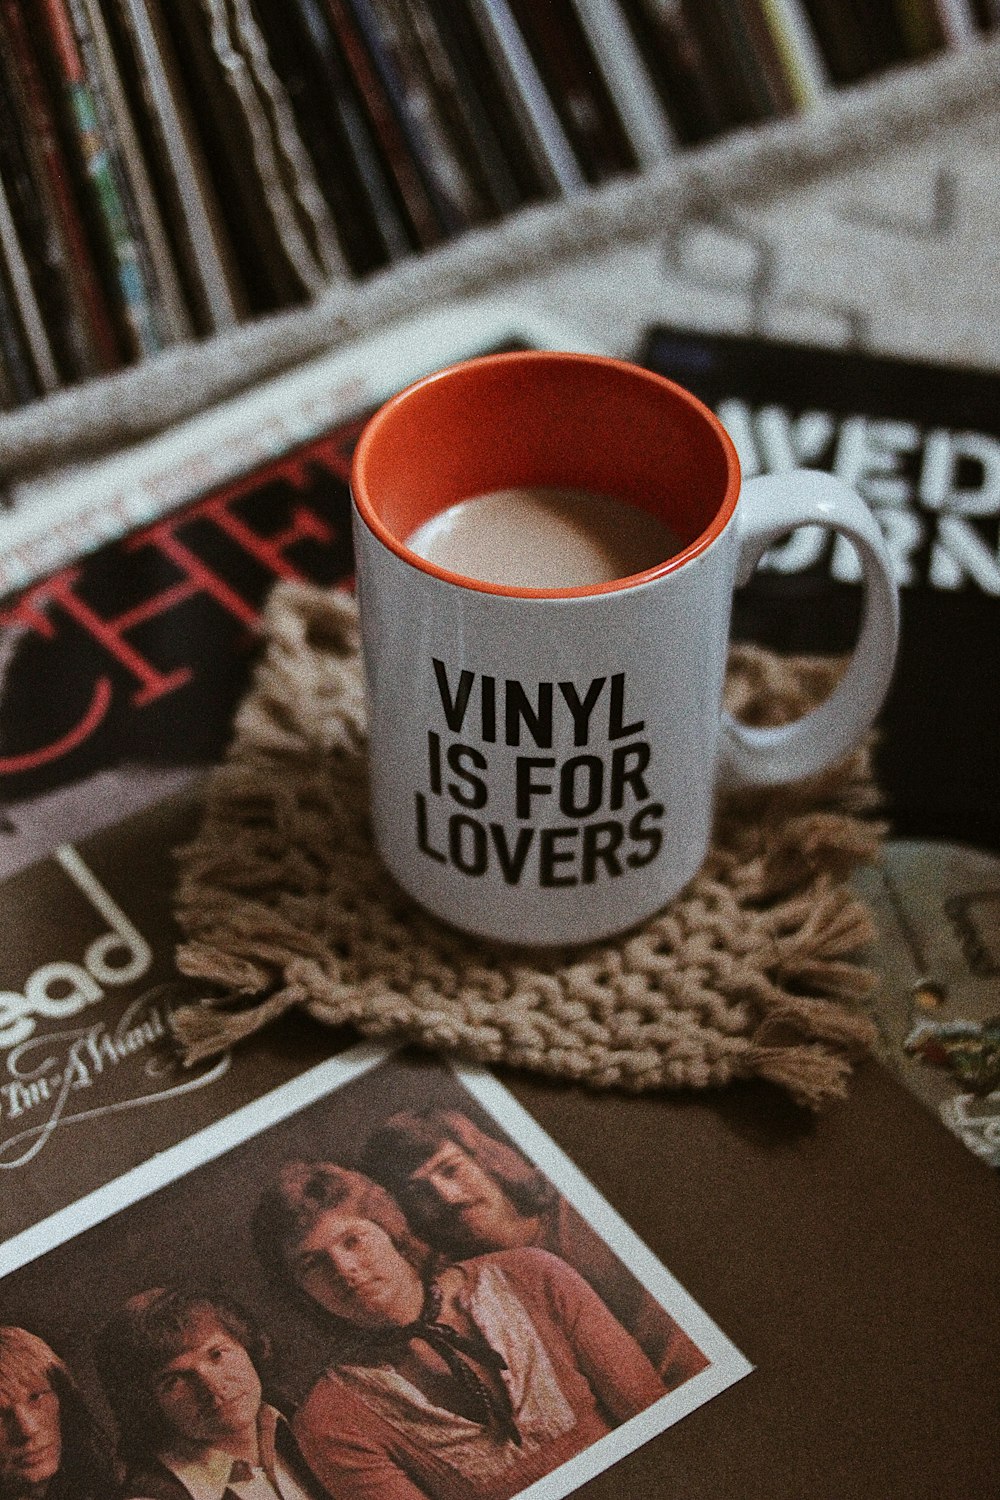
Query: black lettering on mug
[454, 706]
[581, 786]
[531, 710]
[488, 698]
[581, 709]
[556, 857]
[470, 789]
[601, 842]
[641, 833]
[550, 854]
[518, 709]
[423, 836]
[434, 760]
[467, 844]
[617, 729]
[511, 861]
[525, 787]
[627, 765]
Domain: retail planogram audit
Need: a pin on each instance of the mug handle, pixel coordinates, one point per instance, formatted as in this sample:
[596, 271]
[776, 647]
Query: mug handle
[769, 508]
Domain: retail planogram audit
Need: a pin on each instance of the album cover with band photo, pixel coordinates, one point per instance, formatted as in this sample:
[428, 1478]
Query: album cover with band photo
[381, 1278]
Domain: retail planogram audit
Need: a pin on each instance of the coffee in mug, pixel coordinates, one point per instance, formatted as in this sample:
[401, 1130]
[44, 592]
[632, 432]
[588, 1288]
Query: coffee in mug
[539, 538]
[544, 754]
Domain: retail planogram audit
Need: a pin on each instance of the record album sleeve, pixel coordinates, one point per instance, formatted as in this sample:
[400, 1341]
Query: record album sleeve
[921, 444]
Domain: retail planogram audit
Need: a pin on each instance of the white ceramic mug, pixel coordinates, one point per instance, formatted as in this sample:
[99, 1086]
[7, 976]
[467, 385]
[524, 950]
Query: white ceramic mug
[543, 763]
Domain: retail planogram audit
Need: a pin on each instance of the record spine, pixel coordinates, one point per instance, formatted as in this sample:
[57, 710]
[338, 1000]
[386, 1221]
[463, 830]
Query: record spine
[803, 62]
[841, 39]
[576, 87]
[408, 92]
[684, 76]
[173, 311]
[89, 327]
[140, 304]
[446, 151]
[920, 27]
[529, 100]
[390, 137]
[722, 36]
[959, 24]
[766, 58]
[19, 385]
[291, 160]
[295, 34]
[32, 226]
[205, 256]
[470, 92]
[29, 317]
[94, 150]
[273, 219]
[620, 62]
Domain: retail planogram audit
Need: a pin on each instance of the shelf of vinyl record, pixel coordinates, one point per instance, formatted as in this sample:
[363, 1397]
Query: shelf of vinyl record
[171, 168]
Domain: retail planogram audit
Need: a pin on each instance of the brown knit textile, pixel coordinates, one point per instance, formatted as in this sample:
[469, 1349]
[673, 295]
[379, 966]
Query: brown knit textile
[750, 971]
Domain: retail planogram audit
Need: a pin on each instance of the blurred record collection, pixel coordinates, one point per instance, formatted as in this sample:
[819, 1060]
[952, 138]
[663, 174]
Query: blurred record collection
[170, 168]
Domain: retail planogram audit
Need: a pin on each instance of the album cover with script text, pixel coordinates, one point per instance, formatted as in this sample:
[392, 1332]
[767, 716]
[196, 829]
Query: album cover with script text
[90, 1082]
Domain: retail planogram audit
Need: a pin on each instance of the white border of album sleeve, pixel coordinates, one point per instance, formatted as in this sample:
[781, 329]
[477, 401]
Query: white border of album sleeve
[727, 1364]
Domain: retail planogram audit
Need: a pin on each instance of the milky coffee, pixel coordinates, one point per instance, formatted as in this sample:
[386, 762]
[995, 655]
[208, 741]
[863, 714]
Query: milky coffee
[540, 538]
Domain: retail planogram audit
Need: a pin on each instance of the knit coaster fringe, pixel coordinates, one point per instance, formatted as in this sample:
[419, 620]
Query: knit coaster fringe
[812, 1075]
[751, 971]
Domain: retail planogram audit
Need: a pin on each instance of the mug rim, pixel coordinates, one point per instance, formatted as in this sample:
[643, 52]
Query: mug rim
[386, 413]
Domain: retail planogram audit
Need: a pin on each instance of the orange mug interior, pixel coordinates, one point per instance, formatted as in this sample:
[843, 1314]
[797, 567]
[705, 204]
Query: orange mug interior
[546, 419]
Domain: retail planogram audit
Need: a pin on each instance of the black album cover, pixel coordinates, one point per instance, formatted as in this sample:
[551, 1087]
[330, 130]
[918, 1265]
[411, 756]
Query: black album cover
[126, 666]
[921, 444]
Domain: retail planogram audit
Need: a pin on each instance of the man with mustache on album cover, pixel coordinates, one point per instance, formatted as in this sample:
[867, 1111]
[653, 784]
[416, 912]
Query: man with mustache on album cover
[465, 1191]
[442, 1382]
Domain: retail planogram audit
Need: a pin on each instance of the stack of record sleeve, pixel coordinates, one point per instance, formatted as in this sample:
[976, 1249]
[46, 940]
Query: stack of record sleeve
[169, 168]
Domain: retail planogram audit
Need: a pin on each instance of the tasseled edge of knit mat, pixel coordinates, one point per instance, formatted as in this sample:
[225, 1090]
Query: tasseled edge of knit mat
[752, 971]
